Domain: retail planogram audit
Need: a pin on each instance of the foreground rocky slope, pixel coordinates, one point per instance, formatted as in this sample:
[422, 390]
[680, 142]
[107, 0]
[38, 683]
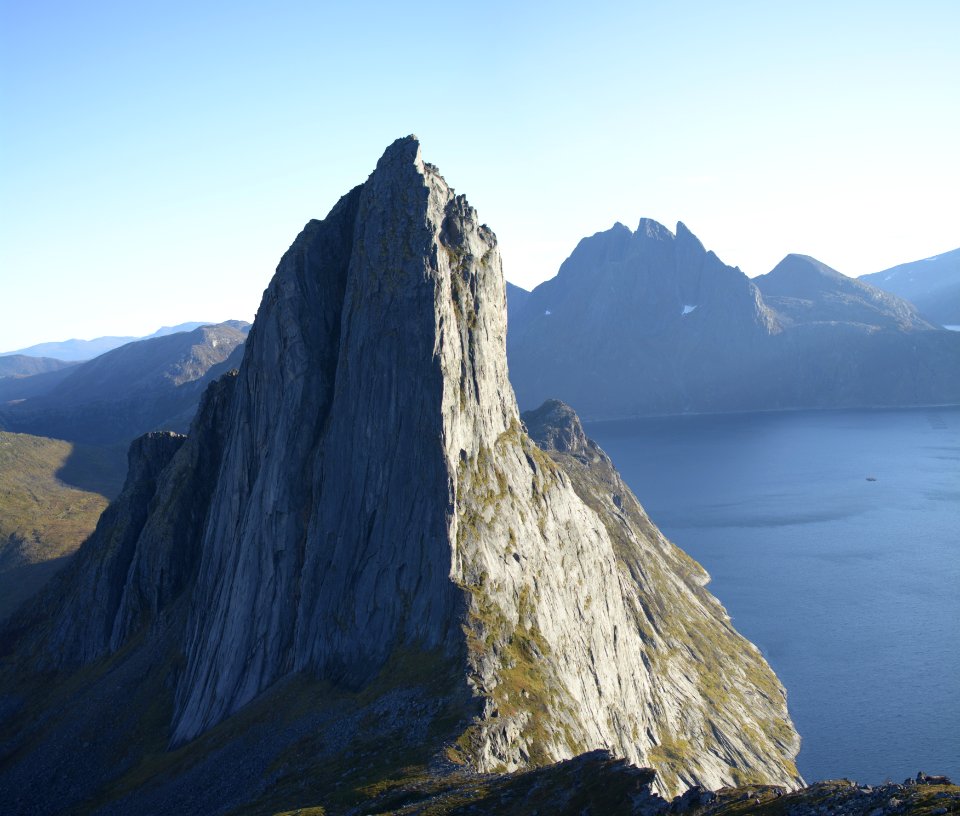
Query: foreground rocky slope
[596, 784]
[649, 322]
[359, 563]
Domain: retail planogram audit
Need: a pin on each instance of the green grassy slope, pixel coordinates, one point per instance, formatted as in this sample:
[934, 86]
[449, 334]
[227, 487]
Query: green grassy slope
[51, 495]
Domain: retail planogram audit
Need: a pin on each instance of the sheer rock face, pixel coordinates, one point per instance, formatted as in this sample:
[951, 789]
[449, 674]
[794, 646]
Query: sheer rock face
[372, 493]
[328, 545]
[713, 709]
[142, 555]
[88, 595]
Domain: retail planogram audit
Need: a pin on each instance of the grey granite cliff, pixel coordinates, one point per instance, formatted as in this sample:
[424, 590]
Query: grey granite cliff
[360, 506]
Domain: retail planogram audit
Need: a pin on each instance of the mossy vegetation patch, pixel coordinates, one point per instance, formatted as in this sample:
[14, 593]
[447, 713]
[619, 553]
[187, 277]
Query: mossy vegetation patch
[592, 783]
[43, 517]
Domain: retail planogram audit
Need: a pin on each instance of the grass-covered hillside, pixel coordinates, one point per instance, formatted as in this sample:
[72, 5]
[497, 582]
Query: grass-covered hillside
[51, 495]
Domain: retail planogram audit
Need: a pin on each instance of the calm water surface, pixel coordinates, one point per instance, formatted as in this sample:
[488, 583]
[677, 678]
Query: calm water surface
[850, 587]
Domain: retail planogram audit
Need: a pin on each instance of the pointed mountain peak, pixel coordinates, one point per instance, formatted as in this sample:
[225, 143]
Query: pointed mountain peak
[684, 235]
[800, 276]
[797, 264]
[653, 229]
[804, 289]
[404, 150]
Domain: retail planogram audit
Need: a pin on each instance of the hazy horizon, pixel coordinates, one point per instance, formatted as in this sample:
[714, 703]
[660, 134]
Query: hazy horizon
[158, 164]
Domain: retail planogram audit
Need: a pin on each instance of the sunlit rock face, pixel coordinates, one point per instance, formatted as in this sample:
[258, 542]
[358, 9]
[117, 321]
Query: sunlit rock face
[371, 493]
[379, 492]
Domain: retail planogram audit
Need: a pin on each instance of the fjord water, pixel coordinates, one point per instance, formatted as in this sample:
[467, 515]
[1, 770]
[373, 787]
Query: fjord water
[833, 540]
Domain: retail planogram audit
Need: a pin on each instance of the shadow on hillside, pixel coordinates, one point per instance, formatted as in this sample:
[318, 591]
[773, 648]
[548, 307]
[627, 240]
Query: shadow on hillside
[21, 582]
[96, 469]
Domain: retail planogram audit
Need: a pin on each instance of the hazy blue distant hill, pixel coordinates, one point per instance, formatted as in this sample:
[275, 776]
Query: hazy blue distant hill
[649, 322]
[76, 350]
[141, 386]
[22, 365]
[803, 290]
[163, 331]
[517, 299]
[20, 388]
[932, 284]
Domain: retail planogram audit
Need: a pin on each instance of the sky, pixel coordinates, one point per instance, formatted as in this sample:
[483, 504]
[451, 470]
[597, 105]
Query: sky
[156, 159]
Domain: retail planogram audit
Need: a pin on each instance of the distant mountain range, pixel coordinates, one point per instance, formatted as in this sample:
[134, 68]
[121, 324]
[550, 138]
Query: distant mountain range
[650, 322]
[516, 301]
[22, 365]
[932, 284]
[77, 350]
[141, 386]
[802, 290]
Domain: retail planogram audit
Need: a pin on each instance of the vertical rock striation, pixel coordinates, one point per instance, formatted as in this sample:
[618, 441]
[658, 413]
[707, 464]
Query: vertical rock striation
[379, 493]
[364, 488]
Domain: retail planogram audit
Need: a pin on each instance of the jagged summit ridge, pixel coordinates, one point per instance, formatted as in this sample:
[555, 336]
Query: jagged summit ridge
[362, 495]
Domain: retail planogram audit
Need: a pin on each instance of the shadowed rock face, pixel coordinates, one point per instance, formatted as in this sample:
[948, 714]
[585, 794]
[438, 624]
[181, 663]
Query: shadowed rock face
[361, 496]
[143, 553]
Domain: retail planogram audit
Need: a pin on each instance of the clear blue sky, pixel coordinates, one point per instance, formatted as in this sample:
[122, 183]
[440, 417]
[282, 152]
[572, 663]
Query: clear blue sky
[156, 159]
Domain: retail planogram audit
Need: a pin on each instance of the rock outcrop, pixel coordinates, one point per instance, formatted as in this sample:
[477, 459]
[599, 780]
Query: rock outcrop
[360, 506]
[596, 783]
